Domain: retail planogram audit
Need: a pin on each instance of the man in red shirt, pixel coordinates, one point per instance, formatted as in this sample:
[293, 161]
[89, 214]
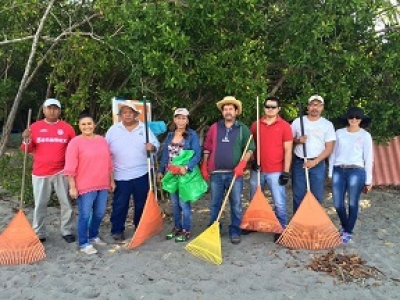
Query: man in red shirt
[276, 142]
[47, 139]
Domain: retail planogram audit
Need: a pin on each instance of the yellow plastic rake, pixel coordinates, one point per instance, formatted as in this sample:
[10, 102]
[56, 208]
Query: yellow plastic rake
[207, 246]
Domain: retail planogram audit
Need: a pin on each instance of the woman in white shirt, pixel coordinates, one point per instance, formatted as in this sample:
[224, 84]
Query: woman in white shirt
[350, 167]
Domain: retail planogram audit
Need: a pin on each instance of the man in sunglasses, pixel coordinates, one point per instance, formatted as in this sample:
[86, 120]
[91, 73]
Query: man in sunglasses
[275, 149]
[319, 138]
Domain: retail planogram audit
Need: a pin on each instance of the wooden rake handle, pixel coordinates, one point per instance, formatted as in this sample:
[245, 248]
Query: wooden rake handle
[28, 125]
[232, 182]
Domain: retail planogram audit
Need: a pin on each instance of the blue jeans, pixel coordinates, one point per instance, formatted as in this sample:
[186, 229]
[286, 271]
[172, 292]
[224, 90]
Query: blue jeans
[91, 205]
[352, 181]
[220, 183]
[138, 188]
[299, 185]
[182, 212]
[278, 192]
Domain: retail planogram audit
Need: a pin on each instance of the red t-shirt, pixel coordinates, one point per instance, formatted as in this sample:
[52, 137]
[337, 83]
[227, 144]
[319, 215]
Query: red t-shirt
[272, 139]
[48, 144]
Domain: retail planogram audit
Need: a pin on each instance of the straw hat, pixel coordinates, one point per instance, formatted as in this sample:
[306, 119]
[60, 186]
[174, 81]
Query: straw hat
[230, 100]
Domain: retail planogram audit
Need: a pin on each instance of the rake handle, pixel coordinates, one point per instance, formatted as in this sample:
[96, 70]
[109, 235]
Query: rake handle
[232, 182]
[21, 203]
[304, 146]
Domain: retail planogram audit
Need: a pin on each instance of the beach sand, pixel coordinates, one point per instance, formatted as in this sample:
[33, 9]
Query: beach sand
[254, 269]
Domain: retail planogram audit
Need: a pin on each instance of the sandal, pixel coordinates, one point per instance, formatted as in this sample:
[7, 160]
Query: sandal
[185, 235]
[174, 232]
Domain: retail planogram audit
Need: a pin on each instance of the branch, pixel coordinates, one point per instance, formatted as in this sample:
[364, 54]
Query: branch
[396, 27]
[21, 89]
[278, 85]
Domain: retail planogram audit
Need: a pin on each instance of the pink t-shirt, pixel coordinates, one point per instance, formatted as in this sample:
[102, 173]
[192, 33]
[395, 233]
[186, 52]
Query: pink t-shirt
[89, 161]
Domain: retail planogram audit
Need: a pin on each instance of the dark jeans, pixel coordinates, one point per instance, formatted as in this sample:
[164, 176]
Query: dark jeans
[299, 185]
[352, 181]
[138, 188]
[219, 185]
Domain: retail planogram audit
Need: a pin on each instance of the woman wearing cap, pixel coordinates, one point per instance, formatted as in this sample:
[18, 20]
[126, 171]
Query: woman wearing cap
[181, 137]
[350, 167]
[90, 174]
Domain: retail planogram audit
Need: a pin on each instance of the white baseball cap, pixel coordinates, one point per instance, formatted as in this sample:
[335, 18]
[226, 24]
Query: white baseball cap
[127, 104]
[316, 97]
[52, 101]
[181, 111]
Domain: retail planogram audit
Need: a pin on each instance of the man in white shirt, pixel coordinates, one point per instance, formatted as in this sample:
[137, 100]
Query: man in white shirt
[127, 141]
[319, 138]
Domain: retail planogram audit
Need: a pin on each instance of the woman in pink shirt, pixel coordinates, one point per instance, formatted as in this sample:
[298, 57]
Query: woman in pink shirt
[89, 169]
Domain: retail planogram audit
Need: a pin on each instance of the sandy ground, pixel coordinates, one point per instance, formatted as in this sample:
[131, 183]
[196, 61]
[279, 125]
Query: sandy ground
[255, 269]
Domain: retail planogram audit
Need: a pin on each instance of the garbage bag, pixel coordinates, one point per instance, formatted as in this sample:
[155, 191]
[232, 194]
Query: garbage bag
[190, 186]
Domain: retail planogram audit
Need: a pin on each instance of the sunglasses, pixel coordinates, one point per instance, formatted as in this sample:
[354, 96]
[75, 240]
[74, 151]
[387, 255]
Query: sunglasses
[270, 106]
[354, 117]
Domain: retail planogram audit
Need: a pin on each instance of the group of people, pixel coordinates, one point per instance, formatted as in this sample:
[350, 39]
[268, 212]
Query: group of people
[87, 167]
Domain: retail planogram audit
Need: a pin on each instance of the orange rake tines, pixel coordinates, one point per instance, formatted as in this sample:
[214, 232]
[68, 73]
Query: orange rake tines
[310, 228]
[259, 216]
[150, 223]
[19, 244]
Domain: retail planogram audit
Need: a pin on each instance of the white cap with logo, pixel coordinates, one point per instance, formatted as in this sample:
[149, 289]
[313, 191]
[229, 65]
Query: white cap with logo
[181, 111]
[316, 97]
[52, 101]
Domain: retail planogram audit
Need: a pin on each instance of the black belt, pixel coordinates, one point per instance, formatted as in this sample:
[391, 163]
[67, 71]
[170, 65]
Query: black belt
[350, 167]
[303, 158]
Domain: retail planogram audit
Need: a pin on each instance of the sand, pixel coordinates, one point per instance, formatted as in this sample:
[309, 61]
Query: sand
[160, 269]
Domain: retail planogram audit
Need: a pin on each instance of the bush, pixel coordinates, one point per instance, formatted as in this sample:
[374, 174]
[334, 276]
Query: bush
[11, 165]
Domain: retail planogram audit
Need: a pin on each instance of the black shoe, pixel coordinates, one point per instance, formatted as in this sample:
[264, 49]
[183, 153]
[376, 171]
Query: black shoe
[42, 240]
[277, 236]
[69, 238]
[247, 231]
[235, 239]
[119, 237]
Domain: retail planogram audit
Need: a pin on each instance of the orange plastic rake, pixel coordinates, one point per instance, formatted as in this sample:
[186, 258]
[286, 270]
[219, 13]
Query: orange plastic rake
[151, 221]
[259, 216]
[19, 243]
[310, 228]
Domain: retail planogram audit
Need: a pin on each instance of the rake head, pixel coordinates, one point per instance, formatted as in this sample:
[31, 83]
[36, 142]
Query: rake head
[19, 244]
[207, 246]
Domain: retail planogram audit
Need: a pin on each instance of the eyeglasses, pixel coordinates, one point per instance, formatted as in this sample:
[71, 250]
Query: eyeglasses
[354, 117]
[270, 107]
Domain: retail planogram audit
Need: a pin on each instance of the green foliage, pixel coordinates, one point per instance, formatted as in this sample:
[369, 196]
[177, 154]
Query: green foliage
[11, 166]
[192, 53]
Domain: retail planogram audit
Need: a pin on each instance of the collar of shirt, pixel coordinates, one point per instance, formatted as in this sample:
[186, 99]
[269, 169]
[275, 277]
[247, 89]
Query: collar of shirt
[264, 118]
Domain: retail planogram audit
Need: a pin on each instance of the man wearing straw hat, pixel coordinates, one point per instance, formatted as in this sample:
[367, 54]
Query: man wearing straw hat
[223, 148]
[319, 138]
[127, 141]
[47, 139]
[275, 150]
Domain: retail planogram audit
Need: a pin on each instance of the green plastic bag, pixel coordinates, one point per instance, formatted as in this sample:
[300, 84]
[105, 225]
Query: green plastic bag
[191, 186]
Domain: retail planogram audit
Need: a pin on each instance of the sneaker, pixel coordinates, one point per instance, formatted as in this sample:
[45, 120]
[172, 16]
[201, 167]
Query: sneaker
[69, 238]
[183, 237]
[341, 230]
[174, 233]
[88, 249]
[346, 238]
[98, 241]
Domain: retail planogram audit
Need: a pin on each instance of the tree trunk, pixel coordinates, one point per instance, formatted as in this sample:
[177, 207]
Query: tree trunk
[11, 117]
